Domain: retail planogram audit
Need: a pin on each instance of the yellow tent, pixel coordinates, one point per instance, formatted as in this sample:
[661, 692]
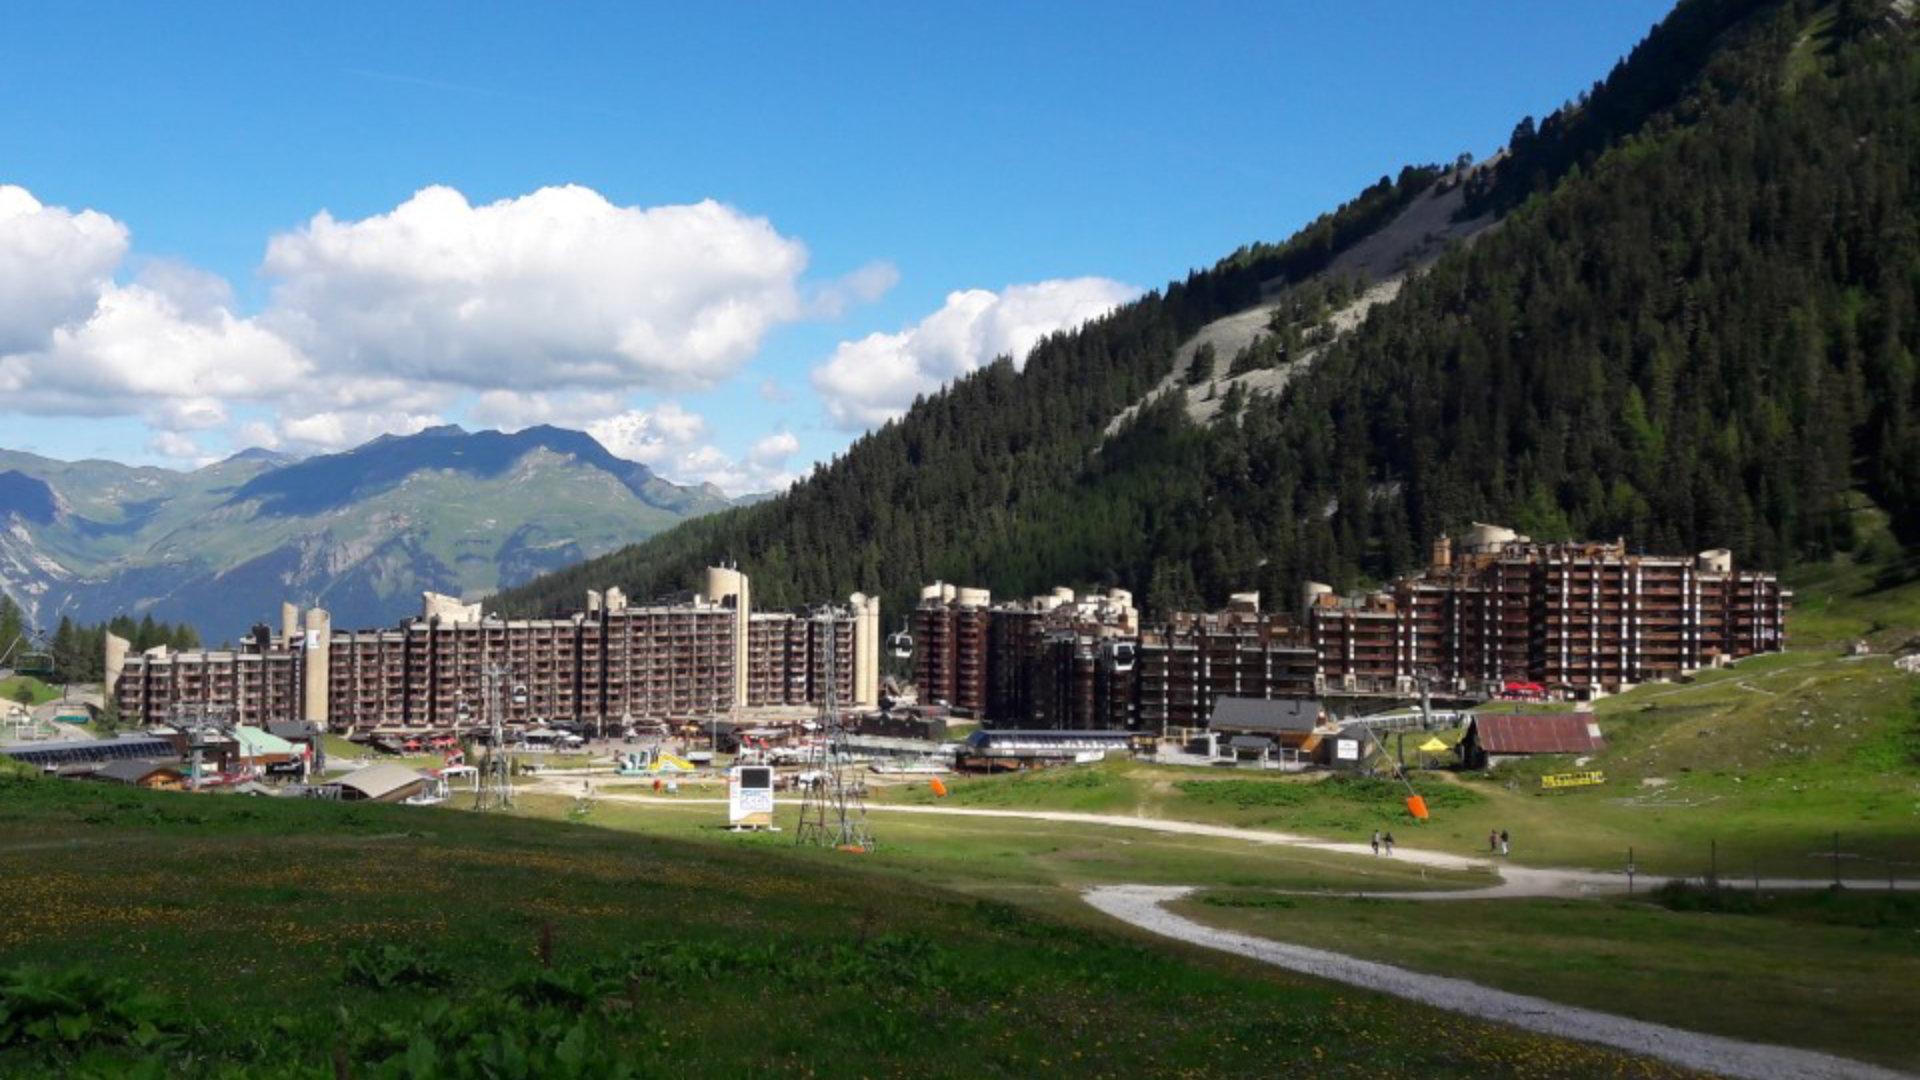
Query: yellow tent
[1433, 746]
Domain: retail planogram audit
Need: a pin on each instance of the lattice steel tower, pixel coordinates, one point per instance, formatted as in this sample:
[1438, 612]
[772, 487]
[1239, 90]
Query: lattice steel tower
[833, 808]
[495, 790]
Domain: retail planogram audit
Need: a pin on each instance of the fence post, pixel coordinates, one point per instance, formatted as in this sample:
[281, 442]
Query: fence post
[1629, 869]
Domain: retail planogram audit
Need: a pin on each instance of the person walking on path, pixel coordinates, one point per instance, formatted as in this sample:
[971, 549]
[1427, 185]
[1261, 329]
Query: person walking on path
[1493, 842]
[1388, 841]
[1506, 843]
[1376, 841]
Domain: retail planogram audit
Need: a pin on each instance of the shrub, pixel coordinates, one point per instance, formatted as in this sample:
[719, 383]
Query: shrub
[76, 1009]
[488, 1036]
[1364, 792]
[1720, 899]
[385, 966]
[1240, 900]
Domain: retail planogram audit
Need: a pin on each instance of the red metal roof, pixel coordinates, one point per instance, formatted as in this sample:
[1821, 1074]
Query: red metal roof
[1548, 733]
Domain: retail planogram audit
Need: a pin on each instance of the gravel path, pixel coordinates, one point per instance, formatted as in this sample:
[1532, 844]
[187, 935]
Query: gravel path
[1515, 881]
[1141, 905]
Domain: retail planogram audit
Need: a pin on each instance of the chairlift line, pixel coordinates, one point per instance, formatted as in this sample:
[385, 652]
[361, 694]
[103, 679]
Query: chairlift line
[35, 658]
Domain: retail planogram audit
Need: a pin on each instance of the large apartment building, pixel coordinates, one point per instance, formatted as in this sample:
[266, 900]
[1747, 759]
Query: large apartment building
[951, 627]
[1191, 660]
[1063, 661]
[1576, 619]
[1573, 619]
[698, 655]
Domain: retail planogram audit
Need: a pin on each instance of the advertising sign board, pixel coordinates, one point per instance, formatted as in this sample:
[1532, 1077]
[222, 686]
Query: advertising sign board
[750, 797]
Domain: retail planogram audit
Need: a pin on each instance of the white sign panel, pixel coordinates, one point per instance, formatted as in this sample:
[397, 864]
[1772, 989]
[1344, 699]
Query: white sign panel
[750, 796]
[1346, 749]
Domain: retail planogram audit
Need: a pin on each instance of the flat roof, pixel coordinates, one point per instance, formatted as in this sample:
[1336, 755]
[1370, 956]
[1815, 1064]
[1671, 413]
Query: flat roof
[1265, 714]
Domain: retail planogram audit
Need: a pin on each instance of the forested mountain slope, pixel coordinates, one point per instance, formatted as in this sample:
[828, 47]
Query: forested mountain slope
[1695, 326]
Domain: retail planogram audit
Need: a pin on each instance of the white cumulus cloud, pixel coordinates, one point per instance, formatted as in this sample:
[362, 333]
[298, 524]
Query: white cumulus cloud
[141, 348]
[174, 445]
[553, 307]
[775, 449]
[559, 287]
[166, 346]
[653, 437]
[53, 265]
[874, 379]
[511, 410]
[672, 441]
[862, 286]
[343, 429]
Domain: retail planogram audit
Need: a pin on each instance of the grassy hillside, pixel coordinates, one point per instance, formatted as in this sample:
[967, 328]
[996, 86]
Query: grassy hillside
[283, 938]
[1820, 970]
[187, 935]
[1773, 961]
[35, 692]
[1762, 763]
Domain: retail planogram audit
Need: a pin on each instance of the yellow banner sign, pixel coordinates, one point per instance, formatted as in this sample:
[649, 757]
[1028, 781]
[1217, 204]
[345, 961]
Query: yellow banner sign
[1573, 779]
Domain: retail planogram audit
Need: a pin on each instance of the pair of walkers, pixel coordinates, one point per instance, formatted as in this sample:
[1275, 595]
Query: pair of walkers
[1382, 840]
[1499, 843]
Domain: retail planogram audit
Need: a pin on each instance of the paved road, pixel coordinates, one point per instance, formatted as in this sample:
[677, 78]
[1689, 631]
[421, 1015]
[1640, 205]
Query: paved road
[1141, 906]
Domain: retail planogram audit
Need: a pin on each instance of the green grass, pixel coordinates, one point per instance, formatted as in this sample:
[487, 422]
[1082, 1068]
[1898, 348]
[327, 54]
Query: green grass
[1826, 971]
[294, 938]
[40, 692]
[1810, 52]
[1346, 807]
[280, 934]
[1760, 764]
[341, 750]
[1035, 862]
[1845, 600]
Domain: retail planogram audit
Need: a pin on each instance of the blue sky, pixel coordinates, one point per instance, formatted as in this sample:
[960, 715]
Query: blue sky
[909, 151]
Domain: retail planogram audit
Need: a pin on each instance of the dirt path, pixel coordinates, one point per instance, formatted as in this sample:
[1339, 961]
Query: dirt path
[1141, 906]
[1515, 881]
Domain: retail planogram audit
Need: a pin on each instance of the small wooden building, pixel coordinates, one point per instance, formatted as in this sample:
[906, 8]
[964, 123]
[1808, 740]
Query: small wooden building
[1286, 722]
[1492, 738]
[143, 773]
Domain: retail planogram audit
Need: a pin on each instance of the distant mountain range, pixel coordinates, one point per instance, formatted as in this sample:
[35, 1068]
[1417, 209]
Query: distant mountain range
[360, 532]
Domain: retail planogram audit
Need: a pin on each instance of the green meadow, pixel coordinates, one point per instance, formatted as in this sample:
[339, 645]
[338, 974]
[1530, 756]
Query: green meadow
[163, 934]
